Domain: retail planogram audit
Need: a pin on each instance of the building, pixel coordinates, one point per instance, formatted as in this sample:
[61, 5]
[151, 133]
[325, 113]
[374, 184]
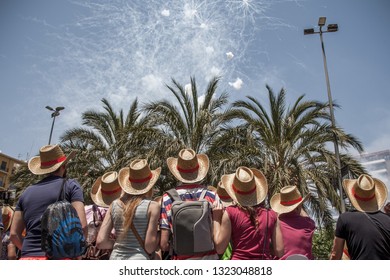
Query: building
[8, 166]
[377, 165]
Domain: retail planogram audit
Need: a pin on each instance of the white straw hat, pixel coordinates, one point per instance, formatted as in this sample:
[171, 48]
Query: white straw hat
[247, 186]
[138, 178]
[189, 167]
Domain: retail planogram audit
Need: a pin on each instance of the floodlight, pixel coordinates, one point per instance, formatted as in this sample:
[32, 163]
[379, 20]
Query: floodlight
[321, 21]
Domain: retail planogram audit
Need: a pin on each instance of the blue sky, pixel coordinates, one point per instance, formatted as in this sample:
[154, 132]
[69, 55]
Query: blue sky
[74, 53]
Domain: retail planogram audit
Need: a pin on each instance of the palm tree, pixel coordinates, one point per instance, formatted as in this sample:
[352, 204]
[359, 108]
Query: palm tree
[193, 124]
[108, 142]
[290, 145]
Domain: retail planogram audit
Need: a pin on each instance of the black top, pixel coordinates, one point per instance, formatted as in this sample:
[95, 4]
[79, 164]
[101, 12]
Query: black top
[366, 239]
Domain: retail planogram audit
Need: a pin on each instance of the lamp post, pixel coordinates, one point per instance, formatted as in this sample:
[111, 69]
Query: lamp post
[330, 28]
[56, 112]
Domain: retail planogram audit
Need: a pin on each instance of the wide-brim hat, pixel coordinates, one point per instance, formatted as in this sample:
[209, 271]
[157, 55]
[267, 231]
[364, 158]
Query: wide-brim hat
[106, 189]
[287, 200]
[366, 194]
[189, 167]
[51, 157]
[247, 186]
[138, 178]
[223, 195]
[6, 214]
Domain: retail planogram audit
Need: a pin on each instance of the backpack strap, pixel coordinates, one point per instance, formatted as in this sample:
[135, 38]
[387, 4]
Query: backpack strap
[203, 194]
[173, 194]
[62, 192]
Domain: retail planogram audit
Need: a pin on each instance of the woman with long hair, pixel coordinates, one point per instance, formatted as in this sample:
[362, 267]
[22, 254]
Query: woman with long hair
[247, 224]
[134, 216]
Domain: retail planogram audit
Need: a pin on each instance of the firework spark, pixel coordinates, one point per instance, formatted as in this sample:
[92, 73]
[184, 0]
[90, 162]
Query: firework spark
[126, 49]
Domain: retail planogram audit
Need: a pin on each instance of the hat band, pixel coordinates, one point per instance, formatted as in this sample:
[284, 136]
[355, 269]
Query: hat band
[52, 162]
[243, 192]
[291, 202]
[362, 198]
[111, 192]
[192, 170]
[141, 180]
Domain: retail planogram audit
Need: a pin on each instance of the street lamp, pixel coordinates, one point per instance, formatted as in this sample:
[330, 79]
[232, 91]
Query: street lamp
[56, 112]
[330, 28]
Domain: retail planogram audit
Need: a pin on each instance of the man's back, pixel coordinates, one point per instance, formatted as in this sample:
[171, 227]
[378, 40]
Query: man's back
[366, 239]
[34, 201]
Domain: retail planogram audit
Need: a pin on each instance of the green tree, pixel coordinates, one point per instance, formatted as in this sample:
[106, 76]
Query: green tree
[290, 145]
[322, 244]
[107, 141]
[193, 123]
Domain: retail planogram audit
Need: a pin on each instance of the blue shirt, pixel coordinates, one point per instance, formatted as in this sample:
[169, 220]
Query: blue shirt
[34, 201]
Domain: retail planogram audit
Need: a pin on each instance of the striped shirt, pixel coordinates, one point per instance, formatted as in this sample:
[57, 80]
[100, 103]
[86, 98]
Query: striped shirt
[128, 247]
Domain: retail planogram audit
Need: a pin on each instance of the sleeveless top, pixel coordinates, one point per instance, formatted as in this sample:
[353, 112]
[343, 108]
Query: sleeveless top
[128, 247]
[297, 233]
[247, 242]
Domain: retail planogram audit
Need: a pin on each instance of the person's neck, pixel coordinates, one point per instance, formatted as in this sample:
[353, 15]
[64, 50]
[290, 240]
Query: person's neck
[59, 172]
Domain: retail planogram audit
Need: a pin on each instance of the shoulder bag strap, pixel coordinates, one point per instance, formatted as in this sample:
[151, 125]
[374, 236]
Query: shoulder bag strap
[266, 234]
[376, 225]
[97, 215]
[140, 241]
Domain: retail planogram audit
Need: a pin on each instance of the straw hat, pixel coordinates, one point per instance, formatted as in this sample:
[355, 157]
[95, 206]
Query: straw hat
[189, 167]
[106, 189]
[247, 187]
[6, 214]
[287, 200]
[138, 178]
[366, 194]
[51, 157]
[223, 195]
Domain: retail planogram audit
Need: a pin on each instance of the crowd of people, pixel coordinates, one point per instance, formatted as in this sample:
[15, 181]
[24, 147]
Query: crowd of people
[126, 222]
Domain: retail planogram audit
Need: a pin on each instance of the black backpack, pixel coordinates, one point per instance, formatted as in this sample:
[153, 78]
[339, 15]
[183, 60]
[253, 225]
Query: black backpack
[61, 231]
[192, 225]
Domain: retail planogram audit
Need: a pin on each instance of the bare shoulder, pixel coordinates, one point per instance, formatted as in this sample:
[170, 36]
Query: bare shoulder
[154, 207]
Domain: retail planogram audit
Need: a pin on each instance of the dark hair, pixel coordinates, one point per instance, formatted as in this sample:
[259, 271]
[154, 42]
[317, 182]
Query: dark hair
[252, 213]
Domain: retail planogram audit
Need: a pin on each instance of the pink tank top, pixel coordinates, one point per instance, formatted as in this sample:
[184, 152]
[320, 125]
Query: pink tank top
[297, 232]
[247, 242]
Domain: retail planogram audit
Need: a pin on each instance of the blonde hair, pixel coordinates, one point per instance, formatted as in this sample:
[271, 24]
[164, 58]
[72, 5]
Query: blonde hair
[131, 202]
